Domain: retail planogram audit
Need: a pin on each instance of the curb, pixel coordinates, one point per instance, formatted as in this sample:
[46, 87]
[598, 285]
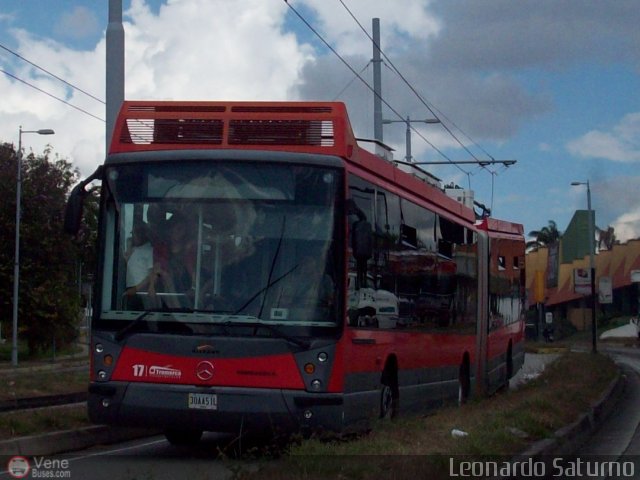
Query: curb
[70, 440]
[42, 401]
[567, 439]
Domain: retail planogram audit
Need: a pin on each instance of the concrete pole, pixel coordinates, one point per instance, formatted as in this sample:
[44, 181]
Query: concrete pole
[16, 264]
[114, 68]
[592, 268]
[408, 141]
[377, 82]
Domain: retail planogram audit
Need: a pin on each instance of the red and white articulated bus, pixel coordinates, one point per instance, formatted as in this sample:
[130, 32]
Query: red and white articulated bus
[259, 271]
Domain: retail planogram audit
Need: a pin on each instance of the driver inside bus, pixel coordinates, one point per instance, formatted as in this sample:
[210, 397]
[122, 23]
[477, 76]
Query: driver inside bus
[173, 278]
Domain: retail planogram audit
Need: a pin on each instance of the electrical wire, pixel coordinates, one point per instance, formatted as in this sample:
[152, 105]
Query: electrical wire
[51, 95]
[51, 74]
[387, 104]
[351, 81]
[395, 69]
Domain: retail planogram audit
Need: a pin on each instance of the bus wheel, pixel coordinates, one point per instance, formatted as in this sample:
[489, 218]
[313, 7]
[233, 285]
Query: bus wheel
[509, 372]
[183, 437]
[389, 398]
[464, 384]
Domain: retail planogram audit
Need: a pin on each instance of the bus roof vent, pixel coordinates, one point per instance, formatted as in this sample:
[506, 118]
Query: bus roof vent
[172, 131]
[178, 108]
[282, 109]
[281, 132]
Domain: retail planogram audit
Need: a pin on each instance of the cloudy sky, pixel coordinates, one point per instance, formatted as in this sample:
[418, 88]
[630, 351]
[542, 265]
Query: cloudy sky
[550, 83]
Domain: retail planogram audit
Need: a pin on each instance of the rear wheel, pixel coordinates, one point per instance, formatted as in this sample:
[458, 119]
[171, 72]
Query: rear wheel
[509, 367]
[183, 437]
[464, 384]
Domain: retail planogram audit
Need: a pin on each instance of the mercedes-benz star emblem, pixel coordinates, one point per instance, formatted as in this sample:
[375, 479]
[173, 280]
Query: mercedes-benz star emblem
[204, 371]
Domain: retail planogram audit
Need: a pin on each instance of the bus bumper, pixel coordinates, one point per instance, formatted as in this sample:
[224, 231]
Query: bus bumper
[237, 410]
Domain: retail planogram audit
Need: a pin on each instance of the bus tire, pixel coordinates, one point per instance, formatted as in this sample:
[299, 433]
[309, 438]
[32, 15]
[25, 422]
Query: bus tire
[183, 437]
[464, 383]
[389, 395]
[509, 368]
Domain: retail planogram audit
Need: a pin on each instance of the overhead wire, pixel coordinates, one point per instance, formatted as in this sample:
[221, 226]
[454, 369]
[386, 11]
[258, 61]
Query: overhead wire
[432, 109]
[382, 99]
[411, 87]
[51, 95]
[353, 79]
[51, 74]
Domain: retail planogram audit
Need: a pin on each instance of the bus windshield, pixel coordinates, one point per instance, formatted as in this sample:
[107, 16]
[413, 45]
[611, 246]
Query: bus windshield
[222, 242]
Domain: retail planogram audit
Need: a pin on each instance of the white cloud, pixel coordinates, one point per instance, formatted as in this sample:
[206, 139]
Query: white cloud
[621, 144]
[195, 50]
[397, 18]
[627, 226]
[211, 50]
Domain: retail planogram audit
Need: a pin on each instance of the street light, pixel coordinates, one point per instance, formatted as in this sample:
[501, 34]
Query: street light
[591, 265]
[408, 121]
[16, 264]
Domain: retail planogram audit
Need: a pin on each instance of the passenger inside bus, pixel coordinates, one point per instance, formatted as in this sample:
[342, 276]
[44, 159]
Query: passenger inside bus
[139, 258]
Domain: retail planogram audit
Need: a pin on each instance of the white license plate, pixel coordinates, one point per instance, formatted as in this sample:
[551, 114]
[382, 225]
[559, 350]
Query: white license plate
[203, 401]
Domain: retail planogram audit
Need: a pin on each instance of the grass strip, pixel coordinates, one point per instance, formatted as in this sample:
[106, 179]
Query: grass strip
[36, 384]
[500, 426]
[42, 420]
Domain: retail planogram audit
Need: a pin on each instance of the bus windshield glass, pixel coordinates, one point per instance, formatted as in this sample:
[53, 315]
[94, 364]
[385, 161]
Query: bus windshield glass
[222, 242]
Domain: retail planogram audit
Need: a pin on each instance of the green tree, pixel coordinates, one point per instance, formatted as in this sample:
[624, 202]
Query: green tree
[545, 236]
[49, 301]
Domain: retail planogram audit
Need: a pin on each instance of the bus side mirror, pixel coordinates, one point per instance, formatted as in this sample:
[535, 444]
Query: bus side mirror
[73, 211]
[362, 240]
[75, 204]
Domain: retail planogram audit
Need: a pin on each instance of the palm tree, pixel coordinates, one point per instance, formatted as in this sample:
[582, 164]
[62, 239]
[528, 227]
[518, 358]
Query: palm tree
[545, 236]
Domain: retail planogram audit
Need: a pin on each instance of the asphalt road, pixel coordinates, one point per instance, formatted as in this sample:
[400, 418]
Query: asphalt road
[619, 434]
[149, 458]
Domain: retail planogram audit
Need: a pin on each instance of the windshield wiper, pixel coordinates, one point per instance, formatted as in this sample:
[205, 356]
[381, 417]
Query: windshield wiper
[273, 263]
[122, 333]
[264, 289]
[256, 324]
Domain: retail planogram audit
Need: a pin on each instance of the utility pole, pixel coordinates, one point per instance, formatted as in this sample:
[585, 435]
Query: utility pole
[377, 82]
[408, 158]
[114, 68]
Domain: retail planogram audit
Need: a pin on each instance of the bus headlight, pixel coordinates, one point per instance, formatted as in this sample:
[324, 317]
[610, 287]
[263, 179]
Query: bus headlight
[316, 385]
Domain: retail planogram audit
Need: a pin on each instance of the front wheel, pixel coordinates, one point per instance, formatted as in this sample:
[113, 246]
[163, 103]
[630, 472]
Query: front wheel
[389, 402]
[183, 437]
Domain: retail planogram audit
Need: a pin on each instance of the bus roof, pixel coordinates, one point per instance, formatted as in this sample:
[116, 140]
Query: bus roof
[309, 127]
[305, 127]
[497, 227]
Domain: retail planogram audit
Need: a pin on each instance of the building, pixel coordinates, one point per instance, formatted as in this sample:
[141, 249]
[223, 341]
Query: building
[551, 272]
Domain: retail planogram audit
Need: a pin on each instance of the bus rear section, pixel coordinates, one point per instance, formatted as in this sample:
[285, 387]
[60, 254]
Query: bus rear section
[506, 301]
